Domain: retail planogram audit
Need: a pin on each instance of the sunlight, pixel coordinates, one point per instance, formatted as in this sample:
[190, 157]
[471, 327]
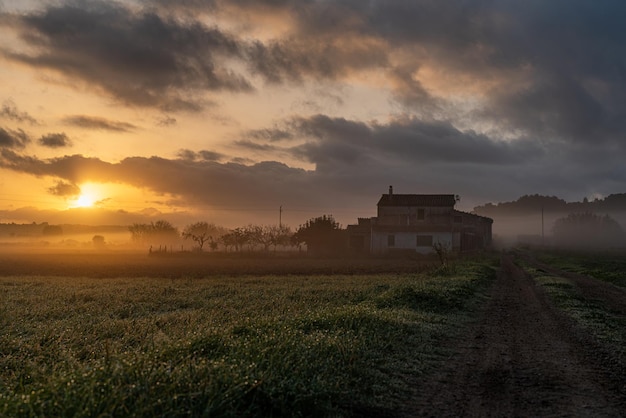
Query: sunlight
[84, 201]
[88, 197]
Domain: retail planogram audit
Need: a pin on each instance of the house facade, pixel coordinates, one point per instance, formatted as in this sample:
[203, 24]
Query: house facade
[416, 222]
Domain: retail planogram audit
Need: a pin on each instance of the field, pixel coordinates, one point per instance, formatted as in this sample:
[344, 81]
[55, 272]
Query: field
[522, 333]
[95, 335]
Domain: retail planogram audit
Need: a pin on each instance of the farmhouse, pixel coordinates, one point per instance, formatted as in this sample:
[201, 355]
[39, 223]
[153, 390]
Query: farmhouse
[415, 222]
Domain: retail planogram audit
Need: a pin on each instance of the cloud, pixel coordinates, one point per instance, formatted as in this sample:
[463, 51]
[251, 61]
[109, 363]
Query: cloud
[324, 57]
[255, 146]
[522, 71]
[13, 139]
[166, 121]
[72, 168]
[10, 111]
[408, 139]
[532, 68]
[64, 189]
[137, 57]
[204, 155]
[200, 181]
[143, 58]
[97, 123]
[94, 216]
[55, 140]
[354, 163]
[471, 96]
[272, 135]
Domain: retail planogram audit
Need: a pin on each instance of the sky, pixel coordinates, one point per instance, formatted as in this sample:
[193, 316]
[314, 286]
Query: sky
[267, 111]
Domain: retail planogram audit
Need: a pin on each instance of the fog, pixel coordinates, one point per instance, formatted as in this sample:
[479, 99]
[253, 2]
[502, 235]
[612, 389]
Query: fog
[539, 230]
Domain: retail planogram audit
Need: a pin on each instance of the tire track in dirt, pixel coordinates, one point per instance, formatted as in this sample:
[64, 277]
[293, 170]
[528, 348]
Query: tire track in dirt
[612, 296]
[520, 359]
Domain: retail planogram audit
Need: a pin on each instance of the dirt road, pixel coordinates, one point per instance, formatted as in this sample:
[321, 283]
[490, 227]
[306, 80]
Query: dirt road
[523, 358]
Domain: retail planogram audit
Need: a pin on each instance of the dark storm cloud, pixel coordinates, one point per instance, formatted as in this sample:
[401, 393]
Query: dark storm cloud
[146, 59]
[73, 168]
[324, 57]
[348, 174]
[13, 139]
[556, 69]
[10, 111]
[137, 57]
[551, 75]
[559, 66]
[97, 123]
[64, 189]
[55, 140]
[407, 139]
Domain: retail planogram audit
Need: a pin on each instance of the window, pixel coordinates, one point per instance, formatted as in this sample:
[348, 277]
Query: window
[424, 240]
[391, 240]
[421, 214]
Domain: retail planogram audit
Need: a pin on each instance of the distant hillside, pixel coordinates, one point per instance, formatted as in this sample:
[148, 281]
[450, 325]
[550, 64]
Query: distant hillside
[42, 229]
[532, 204]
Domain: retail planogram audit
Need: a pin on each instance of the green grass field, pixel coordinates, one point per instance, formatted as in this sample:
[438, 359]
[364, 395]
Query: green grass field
[606, 327]
[610, 267]
[305, 345]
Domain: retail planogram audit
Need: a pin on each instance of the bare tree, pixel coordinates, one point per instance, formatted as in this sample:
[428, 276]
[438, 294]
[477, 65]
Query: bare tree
[276, 235]
[203, 232]
[154, 233]
[236, 238]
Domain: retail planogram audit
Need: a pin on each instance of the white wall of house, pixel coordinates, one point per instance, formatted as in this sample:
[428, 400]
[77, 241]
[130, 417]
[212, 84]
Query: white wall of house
[382, 243]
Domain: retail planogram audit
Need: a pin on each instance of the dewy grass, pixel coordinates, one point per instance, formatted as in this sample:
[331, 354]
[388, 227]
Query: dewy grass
[231, 346]
[606, 327]
[610, 267]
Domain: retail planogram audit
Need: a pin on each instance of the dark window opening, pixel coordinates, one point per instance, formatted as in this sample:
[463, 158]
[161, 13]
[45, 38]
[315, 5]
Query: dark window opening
[424, 240]
[421, 214]
[391, 240]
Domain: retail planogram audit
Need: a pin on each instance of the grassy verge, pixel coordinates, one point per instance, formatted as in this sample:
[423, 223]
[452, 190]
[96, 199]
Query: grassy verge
[607, 328]
[609, 267]
[229, 346]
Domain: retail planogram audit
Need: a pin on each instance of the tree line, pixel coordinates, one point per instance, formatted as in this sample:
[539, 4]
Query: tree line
[316, 233]
[533, 204]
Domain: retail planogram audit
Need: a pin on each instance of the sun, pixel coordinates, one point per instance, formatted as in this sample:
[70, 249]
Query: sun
[84, 201]
[88, 197]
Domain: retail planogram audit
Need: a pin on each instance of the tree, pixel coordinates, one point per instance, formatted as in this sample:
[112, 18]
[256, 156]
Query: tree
[203, 232]
[587, 230]
[52, 230]
[253, 236]
[236, 238]
[279, 235]
[322, 235]
[98, 241]
[157, 232]
[140, 232]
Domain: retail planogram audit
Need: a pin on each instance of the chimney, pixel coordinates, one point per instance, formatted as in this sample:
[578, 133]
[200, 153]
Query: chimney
[390, 191]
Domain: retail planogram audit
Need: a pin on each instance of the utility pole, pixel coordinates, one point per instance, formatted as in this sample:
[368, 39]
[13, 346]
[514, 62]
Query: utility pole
[280, 216]
[543, 242]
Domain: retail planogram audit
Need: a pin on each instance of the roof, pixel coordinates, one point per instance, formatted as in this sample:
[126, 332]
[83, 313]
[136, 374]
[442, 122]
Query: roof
[473, 215]
[427, 200]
